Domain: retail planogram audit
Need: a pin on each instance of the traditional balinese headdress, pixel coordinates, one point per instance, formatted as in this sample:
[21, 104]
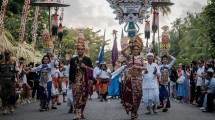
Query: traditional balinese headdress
[81, 40]
[137, 41]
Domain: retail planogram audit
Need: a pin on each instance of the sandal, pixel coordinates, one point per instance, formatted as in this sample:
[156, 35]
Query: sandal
[132, 116]
[154, 110]
[136, 115]
[42, 109]
[147, 113]
[82, 116]
[76, 118]
[165, 110]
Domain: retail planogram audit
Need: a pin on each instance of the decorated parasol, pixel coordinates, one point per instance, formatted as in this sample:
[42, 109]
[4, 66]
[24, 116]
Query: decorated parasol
[49, 4]
[155, 24]
[47, 45]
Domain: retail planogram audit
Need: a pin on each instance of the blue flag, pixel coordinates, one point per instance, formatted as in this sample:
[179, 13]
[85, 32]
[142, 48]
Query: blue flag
[101, 53]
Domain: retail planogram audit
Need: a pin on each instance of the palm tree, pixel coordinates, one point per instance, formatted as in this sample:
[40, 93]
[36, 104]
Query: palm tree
[165, 10]
[194, 44]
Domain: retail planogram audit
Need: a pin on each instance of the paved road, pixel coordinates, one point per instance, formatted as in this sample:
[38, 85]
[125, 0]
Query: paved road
[111, 110]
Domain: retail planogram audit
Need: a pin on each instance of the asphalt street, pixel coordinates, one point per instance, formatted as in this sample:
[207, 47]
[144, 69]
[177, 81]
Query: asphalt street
[111, 110]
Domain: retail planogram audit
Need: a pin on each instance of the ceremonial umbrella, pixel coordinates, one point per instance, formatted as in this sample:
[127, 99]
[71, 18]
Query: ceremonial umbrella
[49, 5]
[159, 4]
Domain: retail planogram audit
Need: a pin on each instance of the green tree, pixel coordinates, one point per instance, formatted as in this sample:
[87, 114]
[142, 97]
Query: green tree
[14, 16]
[165, 10]
[95, 42]
[209, 15]
[189, 39]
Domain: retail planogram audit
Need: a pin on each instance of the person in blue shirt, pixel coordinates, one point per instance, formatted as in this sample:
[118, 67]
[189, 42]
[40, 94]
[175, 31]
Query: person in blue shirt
[208, 105]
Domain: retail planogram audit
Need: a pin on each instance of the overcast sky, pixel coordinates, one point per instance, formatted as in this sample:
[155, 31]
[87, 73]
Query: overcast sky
[98, 15]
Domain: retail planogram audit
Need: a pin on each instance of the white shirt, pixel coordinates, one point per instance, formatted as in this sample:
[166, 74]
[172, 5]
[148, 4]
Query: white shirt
[119, 71]
[103, 74]
[55, 72]
[67, 71]
[211, 70]
[39, 68]
[199, 79]
[171, 63]
[95, 72]
[150, 79]
[63, 73]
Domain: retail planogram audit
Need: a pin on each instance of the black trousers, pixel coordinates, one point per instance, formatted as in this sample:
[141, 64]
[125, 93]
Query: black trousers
[36, 89]
[8, 94]
[192, 91]
[210, 102]
[197, 94]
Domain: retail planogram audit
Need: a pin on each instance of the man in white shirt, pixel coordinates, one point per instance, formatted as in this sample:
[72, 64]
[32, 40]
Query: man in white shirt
[150, 85]
[199, 81]
[104, 75]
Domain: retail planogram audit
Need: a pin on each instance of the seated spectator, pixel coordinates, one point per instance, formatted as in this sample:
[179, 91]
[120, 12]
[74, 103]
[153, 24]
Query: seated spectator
[208, 105]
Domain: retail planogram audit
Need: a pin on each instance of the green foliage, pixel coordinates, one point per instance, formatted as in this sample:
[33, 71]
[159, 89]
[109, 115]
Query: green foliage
[14, 17]
[191, 37]
[165, 10]
[95, 42]
[209, 15]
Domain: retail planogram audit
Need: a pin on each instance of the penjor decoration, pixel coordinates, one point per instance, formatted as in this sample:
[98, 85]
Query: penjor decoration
[24, 19]
[3, 13]
[5, 36]
[35, 27]
[165, 40]
[23, 49]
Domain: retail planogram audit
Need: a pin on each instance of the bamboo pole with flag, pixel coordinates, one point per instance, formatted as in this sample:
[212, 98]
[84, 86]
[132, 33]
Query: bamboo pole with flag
[101, 53]
[114, 50]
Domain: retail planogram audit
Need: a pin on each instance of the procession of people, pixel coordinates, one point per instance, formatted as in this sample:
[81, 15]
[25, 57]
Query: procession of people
[139, 76]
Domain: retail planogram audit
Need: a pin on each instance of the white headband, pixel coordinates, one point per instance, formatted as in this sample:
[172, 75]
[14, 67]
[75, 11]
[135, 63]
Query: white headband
[150, 54]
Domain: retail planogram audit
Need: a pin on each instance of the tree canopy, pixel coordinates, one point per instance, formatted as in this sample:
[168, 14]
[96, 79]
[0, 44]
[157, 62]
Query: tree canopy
[193, 37]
